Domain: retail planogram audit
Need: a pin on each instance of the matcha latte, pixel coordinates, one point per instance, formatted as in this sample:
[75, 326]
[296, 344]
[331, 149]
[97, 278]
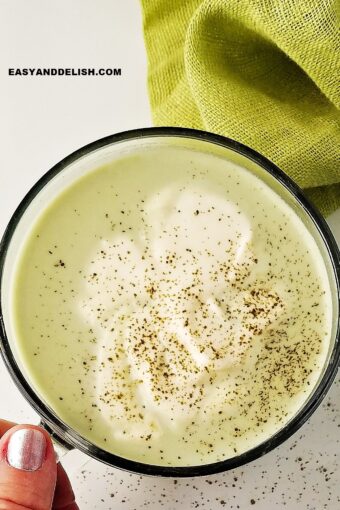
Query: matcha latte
[171, 308]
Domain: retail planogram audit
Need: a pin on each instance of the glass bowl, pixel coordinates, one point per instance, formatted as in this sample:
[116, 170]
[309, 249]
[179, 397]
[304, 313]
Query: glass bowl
[113, 147]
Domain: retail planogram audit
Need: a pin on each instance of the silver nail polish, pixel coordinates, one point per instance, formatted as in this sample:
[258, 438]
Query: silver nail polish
[26, 449]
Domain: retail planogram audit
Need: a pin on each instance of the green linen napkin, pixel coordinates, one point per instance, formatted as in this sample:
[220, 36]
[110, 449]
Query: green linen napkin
[264, 72]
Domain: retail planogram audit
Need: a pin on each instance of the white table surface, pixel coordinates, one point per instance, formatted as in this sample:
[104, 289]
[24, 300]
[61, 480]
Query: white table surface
[45, 118]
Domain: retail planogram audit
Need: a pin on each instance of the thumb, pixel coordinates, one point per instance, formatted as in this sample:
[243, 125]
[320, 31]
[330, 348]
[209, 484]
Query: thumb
[28, 469]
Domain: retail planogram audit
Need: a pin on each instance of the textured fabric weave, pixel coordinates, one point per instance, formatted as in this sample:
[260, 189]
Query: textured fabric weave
[264, 72]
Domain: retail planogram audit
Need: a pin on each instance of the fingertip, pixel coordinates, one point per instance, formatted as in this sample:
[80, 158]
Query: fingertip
[28, 468]
[29, 448]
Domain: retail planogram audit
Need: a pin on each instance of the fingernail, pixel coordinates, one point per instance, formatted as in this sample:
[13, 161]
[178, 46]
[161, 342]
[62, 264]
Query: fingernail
[26, 449]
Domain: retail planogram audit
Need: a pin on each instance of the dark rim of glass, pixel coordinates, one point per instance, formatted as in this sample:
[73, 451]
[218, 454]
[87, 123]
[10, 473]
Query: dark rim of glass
[70, 437]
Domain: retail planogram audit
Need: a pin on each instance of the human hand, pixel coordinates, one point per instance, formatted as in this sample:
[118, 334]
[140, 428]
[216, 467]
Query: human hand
[30, 478]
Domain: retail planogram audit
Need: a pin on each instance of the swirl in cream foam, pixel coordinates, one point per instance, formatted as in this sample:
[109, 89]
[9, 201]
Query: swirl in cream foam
[179, 315]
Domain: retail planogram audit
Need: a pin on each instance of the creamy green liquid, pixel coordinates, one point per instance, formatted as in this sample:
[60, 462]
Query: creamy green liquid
[171, 308]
